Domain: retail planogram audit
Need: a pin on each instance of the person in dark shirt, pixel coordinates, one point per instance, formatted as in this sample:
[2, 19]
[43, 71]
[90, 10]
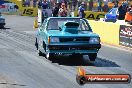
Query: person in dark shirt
[39, 3]
[81, 10]
[116, 2]
[55, 10]
[45, 4]
[34, 3]
[122, 11]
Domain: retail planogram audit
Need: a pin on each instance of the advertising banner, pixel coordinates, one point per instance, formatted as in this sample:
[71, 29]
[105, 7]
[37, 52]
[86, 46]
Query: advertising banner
[92, 15]
[125, 36]
[8, 7]
[29, 11]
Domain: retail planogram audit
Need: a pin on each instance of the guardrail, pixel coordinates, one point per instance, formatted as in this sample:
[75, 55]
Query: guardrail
[113, 33]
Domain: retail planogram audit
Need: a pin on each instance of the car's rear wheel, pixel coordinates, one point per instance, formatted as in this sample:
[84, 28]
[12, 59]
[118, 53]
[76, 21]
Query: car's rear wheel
[92, 56]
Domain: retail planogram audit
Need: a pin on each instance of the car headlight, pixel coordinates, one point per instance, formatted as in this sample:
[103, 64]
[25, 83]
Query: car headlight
[54, 39]
[94, 40]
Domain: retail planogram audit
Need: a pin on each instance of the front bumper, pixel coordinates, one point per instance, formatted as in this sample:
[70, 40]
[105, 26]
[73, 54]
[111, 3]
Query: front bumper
[70, 49]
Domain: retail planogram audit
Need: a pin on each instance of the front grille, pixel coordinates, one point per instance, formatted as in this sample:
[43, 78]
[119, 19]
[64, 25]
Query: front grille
[74, 39]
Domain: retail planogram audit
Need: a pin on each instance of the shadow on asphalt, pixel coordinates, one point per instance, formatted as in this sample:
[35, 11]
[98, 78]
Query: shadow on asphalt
[68, 61]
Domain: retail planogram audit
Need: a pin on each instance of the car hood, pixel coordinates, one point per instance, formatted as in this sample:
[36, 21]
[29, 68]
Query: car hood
[79, 34]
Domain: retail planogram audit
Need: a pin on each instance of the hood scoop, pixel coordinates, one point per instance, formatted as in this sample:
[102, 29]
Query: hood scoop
[70, 27]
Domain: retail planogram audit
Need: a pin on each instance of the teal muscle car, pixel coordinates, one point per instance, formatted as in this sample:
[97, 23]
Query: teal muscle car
[67, 35]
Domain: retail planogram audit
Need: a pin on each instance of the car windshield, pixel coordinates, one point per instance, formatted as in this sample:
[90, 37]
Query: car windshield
[55, 23]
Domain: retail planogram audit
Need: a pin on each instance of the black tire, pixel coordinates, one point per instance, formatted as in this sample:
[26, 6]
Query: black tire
[92, 56]
[36, 44]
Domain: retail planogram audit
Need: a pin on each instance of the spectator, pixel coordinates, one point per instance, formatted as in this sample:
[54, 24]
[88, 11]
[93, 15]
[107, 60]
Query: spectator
[62, 1]
[99, 5]
[129, 8]
[116, 3]
[39, 3]
[65, 1]
[90, 5]
[122, 11]
[27, 3]
[16, 7]
[81, 10]
[105, 7]
[44, 4]
[34, 3]
[63, 10]
[128, 17]
[55, 10]
[125, 2]
[74, 3]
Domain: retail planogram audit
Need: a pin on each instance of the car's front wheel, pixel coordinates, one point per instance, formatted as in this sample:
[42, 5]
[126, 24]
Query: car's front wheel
[92, 56]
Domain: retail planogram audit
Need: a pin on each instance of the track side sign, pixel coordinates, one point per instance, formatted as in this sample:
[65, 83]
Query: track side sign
[125, 36]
